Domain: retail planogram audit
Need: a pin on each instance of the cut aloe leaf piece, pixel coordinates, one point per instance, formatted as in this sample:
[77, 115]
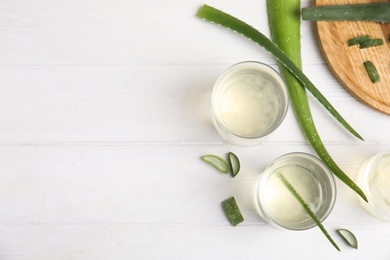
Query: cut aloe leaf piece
[349, 237]
[372, 71]
[217, 162]
[359, 39]
[370, 43]
[234, 163]
[373, 12]
[232, 211]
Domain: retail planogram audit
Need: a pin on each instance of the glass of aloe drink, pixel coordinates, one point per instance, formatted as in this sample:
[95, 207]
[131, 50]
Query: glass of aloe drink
[249, 101]
[311, 179]
[374, 179]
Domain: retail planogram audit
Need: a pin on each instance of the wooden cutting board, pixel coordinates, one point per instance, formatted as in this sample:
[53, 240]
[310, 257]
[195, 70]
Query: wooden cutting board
[347, 62]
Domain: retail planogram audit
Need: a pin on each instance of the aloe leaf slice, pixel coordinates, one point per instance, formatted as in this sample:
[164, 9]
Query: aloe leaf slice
[214, 15]
[234, 163]
[373, 12]
[359, 39]
[232, 211]
[370, 43]
[308, 210]
[372, 71]
[349, 237]
[217, 162]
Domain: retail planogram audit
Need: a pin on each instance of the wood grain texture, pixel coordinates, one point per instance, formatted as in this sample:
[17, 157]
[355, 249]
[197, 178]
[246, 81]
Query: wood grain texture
[347, 62]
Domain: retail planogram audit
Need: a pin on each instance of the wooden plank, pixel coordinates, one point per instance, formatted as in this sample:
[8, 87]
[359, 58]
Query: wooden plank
[153, 202]
[178, 242]
[79, 184]
[118, 103]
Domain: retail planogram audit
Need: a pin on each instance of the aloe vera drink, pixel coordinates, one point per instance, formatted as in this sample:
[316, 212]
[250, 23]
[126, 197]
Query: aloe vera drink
[312, 180]
[249, 102]
[374, 179]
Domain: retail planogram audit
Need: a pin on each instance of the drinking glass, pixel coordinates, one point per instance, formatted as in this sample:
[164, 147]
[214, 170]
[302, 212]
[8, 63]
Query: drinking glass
[310, 177]
[249, 101]
[374, 180]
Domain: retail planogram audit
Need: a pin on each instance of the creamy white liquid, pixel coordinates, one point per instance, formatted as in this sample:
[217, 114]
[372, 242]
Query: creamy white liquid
[250, 104]
[384, 179]
[279, 201]
[377, 179]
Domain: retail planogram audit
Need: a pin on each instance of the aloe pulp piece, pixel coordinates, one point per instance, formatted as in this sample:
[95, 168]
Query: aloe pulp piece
[217, 162]
[349, 237]
[234, 163]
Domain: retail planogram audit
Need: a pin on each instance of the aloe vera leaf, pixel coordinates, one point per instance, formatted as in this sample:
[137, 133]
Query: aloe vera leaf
[217, 162]
[372, 71]
[298, 94]
[374, 12]
[234, 163]
[232, 211]
[306, 207]
[371, 43]
[284, 21]
[216, 16]
[349, 237]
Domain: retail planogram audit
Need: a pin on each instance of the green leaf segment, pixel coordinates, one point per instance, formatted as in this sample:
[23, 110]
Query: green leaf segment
[291, 73]
[373, 12]
[306, 207]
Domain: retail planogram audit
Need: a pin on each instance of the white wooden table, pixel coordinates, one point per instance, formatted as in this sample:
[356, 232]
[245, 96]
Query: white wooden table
[105, 112]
